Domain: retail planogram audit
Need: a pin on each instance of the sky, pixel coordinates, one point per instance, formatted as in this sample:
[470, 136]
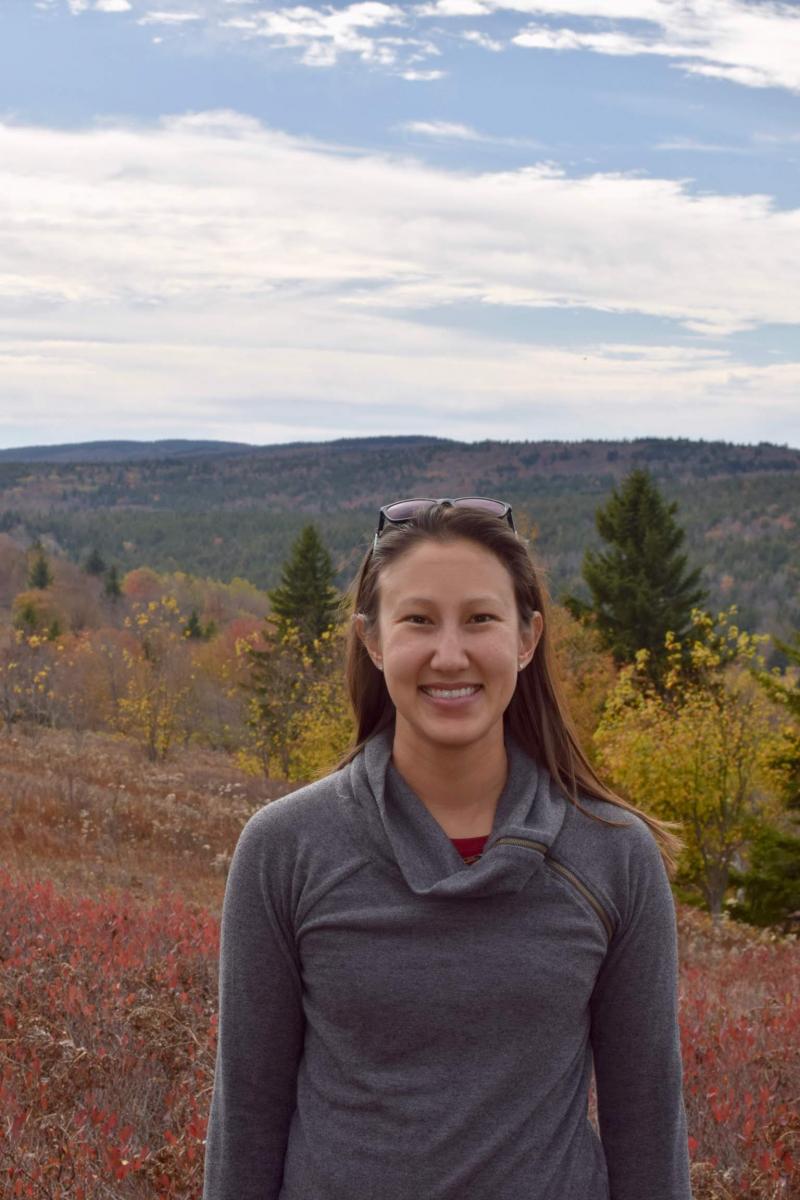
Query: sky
[506, 219]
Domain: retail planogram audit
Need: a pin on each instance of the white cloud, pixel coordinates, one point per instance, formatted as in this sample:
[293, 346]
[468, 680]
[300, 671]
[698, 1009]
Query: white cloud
[482, 39]
[542, 38]
[447, 130]
[752, 44]
[454, 8]
[208, 257]
[452, 131]
[323, 34]
[423, 76]
[169, 18]
[691, 144]
[757, 45]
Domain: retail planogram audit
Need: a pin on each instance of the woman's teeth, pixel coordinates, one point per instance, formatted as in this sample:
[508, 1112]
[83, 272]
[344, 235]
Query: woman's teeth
[451, 693]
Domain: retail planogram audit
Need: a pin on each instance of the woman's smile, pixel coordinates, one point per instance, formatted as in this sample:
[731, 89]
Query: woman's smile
[451, 697]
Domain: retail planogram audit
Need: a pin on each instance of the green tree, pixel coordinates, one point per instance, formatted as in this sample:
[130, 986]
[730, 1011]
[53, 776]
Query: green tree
[26, 616]
[193, 628]
[306, 598]
[95, 563]
[788, 695]
[112, 586]
[40, 575]
[278, 685]
[298, 717]
[640, 587]
[771, 885]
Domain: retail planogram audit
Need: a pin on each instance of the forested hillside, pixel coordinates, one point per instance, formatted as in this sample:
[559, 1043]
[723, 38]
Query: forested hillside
[222, 511]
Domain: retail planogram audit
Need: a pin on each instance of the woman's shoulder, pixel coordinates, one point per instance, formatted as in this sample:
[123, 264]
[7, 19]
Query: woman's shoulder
[611, 855]
[309, 808]
[295, 847]
[597, 812]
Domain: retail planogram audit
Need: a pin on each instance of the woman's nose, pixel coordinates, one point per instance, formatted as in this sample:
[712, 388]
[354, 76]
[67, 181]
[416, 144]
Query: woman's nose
[449, 652]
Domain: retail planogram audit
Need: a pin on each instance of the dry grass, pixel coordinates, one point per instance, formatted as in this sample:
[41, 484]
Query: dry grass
[89, 812]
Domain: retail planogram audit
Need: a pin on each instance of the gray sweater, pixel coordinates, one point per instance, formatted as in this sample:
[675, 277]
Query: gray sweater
[395, 1024]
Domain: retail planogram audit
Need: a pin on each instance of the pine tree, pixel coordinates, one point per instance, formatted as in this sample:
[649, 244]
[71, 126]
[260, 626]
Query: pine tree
[112, 588]
[640, 586]
[788, 695]
[306, 597]
[771, 884]
[95, 563]
[193, 628]
[27, 618]
[40, 575]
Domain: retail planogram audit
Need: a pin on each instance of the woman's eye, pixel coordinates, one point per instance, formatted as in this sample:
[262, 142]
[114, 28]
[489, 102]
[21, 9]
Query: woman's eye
[416, 618]
[482, 618]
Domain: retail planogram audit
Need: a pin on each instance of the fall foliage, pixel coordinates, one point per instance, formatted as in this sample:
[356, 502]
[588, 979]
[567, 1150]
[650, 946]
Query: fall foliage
[701, 750]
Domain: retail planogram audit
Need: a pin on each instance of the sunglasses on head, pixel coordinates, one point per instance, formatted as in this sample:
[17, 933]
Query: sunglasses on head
[401, 511]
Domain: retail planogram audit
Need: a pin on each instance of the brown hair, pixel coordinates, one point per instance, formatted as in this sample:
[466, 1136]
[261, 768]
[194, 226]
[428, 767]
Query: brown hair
[537, 716]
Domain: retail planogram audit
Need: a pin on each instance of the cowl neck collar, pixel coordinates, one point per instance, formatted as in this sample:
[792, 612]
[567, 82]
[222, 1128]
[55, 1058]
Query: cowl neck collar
[530, 809]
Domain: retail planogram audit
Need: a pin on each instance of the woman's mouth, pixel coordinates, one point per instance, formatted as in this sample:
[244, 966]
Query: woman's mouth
[451, 694]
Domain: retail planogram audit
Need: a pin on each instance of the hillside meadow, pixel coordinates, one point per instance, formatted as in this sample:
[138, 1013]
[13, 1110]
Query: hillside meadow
[111, 884]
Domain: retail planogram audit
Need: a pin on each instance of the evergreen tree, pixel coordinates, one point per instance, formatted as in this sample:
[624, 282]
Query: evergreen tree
[771, 885]
[95, 563]
[278, 683]
[40, 575]
[193, 628]
[112, 588]
[789, 696]
[306, 597]
[27, 618]
[640, 586]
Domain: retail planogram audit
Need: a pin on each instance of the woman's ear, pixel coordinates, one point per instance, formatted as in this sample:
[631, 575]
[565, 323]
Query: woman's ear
[368, 638]
[530, 634]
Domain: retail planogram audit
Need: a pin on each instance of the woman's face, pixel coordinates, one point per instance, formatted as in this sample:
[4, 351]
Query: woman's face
[450, 643]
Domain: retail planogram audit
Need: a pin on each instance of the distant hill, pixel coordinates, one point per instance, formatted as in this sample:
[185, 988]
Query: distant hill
[228, 509]
[87, 452]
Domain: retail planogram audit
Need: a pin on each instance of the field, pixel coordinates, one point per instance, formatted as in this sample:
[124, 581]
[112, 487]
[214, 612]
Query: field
[111, 882]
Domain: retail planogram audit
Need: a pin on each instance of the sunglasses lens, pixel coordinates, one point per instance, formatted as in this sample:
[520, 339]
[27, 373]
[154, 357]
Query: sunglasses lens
[404, 510]
[498, 507]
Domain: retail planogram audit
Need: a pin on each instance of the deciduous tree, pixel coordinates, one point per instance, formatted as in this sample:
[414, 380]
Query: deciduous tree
[700, 749]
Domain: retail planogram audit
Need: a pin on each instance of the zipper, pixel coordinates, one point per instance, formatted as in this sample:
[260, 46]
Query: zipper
[565, 871]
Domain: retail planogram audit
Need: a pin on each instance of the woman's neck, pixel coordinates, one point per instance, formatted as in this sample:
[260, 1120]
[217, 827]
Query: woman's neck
[459, 785]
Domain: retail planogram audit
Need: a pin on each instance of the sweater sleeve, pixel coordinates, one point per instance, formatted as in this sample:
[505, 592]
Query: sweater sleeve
[636, 1040]
[260, 1030]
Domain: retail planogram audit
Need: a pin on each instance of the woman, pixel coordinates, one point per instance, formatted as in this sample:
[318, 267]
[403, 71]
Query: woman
[424, 953]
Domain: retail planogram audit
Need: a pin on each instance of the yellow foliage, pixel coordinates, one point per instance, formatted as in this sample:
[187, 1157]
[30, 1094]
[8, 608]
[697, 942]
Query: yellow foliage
[702, 751]
[299, 718]
[586, 671]
[154, 708]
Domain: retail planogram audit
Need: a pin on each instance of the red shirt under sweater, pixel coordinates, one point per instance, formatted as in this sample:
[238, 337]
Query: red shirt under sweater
[470, 848]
